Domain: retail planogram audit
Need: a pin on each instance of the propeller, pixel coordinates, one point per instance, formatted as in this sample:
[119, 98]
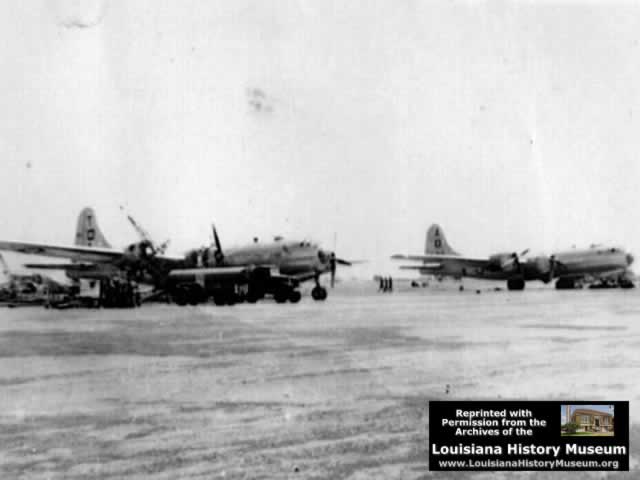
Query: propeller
[330, 259]
[332, 267]
[160, 249]
[218, 255]
[514, 259]
[144, 235]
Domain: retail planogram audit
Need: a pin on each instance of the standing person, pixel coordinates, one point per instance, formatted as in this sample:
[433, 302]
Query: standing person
[390, 284]
[381, 287]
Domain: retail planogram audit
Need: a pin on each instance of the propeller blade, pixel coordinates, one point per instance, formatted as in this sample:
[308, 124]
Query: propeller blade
[333, 262]
[218, 254]
[524, 252]
[163, 246]
[333, 273]
[343, 262]
[216, 239]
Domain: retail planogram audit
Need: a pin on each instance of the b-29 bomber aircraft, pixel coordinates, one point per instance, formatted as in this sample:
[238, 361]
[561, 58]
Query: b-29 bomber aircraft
[596, 264]
[246, 273]
[441, 260]
[276, 268]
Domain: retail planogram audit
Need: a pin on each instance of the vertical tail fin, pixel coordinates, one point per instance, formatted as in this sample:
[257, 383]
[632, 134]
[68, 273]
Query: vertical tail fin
[88, 233]
[436, 243]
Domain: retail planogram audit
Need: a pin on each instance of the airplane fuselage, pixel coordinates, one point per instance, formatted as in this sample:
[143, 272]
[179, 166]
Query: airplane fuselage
[287, 257]
[593, 261]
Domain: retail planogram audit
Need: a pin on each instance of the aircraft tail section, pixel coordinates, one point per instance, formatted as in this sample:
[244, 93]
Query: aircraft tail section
[88, 232]
[436, 243]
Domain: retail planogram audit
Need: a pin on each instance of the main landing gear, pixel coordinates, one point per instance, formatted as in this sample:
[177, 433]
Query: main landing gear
[188, 293]
[118, 293]
[319, 293]
[515, 284]
[565, 284]
[284, 294]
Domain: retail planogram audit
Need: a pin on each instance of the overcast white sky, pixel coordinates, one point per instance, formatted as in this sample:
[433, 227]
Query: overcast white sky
[512, 124]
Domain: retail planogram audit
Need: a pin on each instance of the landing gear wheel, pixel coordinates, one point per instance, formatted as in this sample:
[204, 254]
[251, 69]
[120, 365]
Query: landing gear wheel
[219, 300]
[295, 296]
[180, 297]
[515, 284]
[625, 283]
[195, 295]
[280, 296]
[565, 284]
[319, 293]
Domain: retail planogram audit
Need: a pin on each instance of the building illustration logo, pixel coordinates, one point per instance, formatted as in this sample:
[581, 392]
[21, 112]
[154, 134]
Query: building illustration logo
[587, 420]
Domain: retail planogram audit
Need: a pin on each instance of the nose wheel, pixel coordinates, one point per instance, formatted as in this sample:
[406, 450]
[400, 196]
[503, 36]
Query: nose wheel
[319, 293]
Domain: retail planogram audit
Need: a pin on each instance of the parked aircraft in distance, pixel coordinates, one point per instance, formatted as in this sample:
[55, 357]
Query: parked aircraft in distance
[440, 259]
[246, 273]
[601, 266]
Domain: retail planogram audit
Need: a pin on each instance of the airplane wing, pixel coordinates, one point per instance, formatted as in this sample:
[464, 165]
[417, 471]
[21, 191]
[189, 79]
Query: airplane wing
[78, 253]
[424, 266]
[86, 259]
[436, 261]
[70, 267]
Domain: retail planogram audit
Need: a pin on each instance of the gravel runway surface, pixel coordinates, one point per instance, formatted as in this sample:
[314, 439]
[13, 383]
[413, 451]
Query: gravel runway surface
[332, 390]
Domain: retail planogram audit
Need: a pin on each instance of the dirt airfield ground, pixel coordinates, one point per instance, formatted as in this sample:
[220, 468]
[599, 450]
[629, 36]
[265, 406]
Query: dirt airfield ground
[315, 390]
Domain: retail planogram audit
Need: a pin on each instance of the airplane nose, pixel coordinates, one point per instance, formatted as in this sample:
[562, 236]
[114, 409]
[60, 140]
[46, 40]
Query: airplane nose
[629, 259]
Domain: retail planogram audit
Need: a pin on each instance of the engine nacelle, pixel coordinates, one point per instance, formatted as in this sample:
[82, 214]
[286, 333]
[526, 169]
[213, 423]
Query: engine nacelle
[139, 251]
[503, 262]
[198, 258]
[137, 260]
[541, 267]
